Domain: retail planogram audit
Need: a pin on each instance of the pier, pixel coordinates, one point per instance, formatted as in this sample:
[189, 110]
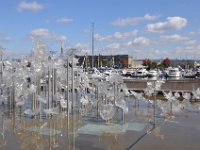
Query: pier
[182, 85]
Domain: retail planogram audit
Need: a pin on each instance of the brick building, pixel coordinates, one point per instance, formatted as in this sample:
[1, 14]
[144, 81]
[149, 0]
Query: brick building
[118, 61]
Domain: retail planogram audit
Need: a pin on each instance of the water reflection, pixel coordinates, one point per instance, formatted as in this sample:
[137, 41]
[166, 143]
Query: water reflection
[76, 132]
[59, 131]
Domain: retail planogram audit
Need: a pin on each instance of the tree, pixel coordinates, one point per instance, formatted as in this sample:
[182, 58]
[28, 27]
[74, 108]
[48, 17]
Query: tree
[160, 66]
[146, 62]
[154, 65]
[190, 63]
[166, 62]
[182, 65]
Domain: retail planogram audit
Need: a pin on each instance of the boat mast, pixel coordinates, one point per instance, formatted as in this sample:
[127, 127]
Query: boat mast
[62, 48]
[92, 44]
[1, 67]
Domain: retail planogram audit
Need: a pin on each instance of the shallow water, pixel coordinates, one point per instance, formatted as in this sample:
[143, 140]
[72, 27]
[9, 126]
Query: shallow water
[135, 130]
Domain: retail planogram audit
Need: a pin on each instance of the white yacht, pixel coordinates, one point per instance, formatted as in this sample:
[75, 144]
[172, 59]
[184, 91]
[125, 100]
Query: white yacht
[127, 72]
[93, 73]
[140, 73]
[189, 74]
[174, 72]
[152, 73]
[108, 72]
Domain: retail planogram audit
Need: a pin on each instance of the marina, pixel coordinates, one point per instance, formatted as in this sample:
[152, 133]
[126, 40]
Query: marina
[53, 103]
[99, 75]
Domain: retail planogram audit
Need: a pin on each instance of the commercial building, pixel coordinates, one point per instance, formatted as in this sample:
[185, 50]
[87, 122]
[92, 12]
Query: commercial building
[117, 61]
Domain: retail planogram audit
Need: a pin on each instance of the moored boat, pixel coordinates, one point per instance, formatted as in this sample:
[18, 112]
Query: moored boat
[140, 73]
[152, 73]
[174, 72]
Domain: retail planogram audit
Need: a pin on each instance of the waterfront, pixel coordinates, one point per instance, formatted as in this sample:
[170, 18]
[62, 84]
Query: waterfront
[99, 75]
[179, 85]
[48, 104]
[179, 130]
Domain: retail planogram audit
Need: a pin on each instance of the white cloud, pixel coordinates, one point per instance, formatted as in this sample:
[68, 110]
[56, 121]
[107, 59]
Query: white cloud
[100, 38]
[152, 53]
[113, 46]
[46, 34]
[42, 32]
[121, 35]
[172, 23]
[190, 51]
[156, 51]
[81, 46]
[174, 37]
[116, 35]
[134, 20]
[33, 6]
[193, 33]
[5, 38]
[190, 42]
[62, 38]
[140, 41]
[64, 20]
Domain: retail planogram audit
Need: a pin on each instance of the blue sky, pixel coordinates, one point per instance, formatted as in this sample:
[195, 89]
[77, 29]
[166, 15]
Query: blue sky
[140, 28]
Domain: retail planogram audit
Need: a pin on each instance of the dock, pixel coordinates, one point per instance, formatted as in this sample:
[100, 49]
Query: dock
[182, 85]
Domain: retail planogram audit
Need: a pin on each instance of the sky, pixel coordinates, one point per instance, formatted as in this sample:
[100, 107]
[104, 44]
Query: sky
[153, 29]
